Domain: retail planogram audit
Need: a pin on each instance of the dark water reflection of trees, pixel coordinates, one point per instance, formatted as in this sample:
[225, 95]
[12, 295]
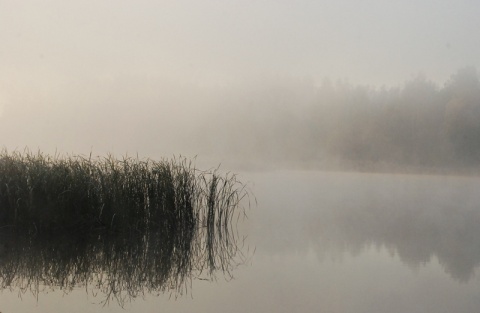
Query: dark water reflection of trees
[416, 220]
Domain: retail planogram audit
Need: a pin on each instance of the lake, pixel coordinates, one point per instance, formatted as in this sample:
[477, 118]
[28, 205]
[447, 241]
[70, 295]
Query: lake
[326, 242]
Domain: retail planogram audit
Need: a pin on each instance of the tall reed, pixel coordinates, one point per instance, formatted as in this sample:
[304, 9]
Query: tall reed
[175, 219]
[53, 194]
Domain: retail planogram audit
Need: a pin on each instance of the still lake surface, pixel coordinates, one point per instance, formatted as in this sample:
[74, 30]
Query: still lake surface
[330, 242]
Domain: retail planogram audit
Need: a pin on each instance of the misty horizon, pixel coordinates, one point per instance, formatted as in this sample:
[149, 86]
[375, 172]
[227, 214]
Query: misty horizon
[286, 123]
[254, 85]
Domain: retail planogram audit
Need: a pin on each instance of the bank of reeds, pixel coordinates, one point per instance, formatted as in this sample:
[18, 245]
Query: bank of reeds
[159, 222]
[50, 194]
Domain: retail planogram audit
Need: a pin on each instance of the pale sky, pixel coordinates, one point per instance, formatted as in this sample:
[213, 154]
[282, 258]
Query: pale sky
[61, 53]
[213, 42]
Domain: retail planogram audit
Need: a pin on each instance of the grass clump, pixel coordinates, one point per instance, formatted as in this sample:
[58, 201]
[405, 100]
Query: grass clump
[124, 226]
[50, 194]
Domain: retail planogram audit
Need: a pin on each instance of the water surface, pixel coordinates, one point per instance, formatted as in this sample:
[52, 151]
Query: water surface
[330, 242]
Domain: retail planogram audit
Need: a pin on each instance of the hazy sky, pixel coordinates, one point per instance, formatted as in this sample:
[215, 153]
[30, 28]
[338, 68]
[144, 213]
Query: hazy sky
[57, 53]
[211, 42]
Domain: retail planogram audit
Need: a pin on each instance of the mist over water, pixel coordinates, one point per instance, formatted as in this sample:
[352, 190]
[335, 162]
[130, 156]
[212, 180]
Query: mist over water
[355, 124]
[418, 126]
[417, 219]
[281, 123]
[305, 85]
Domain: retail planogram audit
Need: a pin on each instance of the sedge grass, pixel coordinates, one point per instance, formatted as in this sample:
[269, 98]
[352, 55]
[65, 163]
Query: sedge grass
[43, 193]
[182, 219]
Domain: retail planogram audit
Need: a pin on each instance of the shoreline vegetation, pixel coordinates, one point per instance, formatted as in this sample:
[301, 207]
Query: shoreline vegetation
[417, 127]
[44, 193]
[124, 227]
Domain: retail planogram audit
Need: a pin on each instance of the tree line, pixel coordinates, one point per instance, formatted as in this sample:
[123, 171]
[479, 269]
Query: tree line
[417, 125]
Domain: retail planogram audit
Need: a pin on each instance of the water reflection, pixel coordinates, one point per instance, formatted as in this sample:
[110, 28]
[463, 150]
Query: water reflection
[416, 219]
[115, 267]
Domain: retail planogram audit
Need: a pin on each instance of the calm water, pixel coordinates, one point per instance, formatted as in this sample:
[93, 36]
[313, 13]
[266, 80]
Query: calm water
[330, 242]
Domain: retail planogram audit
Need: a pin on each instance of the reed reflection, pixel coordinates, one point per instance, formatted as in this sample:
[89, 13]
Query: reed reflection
[118, 228]
[118, 267]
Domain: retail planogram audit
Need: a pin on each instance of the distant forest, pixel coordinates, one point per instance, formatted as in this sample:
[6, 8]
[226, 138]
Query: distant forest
[416, 126]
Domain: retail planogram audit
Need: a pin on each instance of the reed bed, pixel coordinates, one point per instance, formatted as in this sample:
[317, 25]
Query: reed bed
[159, 223]
[44, 193]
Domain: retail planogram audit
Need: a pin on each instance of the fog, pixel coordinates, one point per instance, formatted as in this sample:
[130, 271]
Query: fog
[419, 219]
[295, 96]
[372, 86]
[286, 122]
[418, 126]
